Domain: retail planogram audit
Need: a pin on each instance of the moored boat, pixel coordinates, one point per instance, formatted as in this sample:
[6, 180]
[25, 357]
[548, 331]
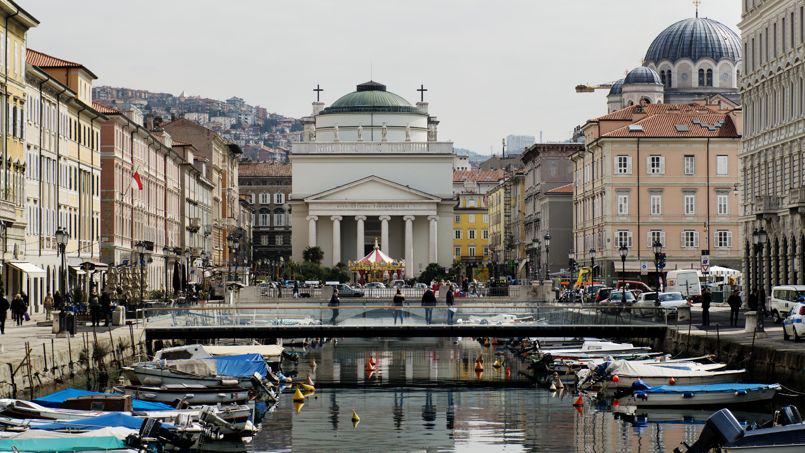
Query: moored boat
[620, 374]
[696, 395]
[194, 394]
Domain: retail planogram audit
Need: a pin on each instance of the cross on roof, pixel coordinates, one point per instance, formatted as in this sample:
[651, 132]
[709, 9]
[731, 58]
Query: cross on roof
[697, 3]
[318, 91]
[422, 91]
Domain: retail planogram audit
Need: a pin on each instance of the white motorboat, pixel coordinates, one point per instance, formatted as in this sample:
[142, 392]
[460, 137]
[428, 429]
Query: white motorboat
[19, 409]
[620, 374]
[595, 348]
[697, 395]
[193, 393]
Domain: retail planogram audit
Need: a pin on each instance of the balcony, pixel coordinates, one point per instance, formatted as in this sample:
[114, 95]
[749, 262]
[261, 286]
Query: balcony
[766, 205]
[796, 200]
[194, 224]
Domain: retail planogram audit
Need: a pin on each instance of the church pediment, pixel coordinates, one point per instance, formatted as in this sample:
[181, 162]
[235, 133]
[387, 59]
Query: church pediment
[372, 188]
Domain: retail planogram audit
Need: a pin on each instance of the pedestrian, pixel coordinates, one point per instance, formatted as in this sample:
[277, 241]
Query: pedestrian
[752, 302]
[734, 301]
[761, 309]
[4, 306]
[106, 308]
[94, 309]
[449, 298]
[17, 309]
[428, 301]
[48, 304]
[334, 303]
[295, 289]
[398, 301]
[706, 299]
[58, 301]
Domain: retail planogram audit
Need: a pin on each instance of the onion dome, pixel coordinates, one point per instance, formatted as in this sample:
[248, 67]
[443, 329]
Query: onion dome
[695, 38]
[617, 88]
[642, 75]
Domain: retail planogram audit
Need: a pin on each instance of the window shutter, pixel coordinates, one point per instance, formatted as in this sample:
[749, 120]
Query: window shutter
[662, 165]
[662, 238]
[629, 239]
[628, 165]
[649, 242]
[695, 239]
[648, 165]
[682, 239]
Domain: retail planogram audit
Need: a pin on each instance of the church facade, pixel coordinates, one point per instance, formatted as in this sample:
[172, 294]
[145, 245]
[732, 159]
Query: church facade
[370, 167]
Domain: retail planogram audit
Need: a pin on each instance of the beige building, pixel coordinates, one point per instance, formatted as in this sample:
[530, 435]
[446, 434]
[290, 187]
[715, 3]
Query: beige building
[507, 240]
[660, 172]
[773, 148]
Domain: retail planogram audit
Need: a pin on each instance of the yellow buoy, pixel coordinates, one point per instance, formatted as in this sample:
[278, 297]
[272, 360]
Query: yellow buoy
[497, 363]
[355, 418]
[307, 388]
[298, 397]
[298, 407]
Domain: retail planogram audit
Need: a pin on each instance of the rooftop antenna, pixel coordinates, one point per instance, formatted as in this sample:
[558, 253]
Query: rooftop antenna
[697, 3]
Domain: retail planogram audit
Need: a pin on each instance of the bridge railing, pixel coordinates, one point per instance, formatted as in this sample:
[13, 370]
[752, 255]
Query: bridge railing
[388, 293]
[369, 313]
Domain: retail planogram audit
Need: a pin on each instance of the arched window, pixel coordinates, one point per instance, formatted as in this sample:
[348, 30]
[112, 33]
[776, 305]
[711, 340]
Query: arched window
[701, 77]
[668, 77]
[709, 81]
[662, 77]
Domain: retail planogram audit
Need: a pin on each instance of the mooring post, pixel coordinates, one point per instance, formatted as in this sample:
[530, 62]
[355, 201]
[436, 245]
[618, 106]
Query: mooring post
[11, 373]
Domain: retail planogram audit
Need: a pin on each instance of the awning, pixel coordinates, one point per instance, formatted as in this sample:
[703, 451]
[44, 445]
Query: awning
[27, 268]
[77, 270]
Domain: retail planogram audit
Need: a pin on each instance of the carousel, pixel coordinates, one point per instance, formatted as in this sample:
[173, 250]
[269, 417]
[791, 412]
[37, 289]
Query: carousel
[377, 267]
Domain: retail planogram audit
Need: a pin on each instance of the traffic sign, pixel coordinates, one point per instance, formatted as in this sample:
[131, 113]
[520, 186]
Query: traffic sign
[643, 268]
[705, 261]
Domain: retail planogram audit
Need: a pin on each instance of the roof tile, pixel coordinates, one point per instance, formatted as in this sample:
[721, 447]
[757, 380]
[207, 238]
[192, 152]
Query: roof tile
[478, 175]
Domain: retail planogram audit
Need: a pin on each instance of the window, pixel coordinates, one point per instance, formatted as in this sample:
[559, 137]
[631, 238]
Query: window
[471, 218]
[709, 78]
[690, 165]
[701, 77]
[472, 235]
[623, 165]
[655, 203]
[458, 219]
[486, 218]
[278, 239]
[263, 239]
[457, 251]
[471, 251]
[458, 234]
[279, 219]
[656, 235]
[263, 220]
[690, 239]
[721, 165]
[486, 251]
[471, 202]
[723, 239]
[689, 202]
[265, 198]
[623, 237]
[722, 204]
[655, 165]
[279, 198]
[623, 204]
[485, 234]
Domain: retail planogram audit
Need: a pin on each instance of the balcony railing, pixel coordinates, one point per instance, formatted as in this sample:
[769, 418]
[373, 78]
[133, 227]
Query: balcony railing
[767, 204]
[796, 198]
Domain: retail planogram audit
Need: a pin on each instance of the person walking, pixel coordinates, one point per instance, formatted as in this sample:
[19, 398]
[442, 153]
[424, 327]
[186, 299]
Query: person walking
[734, 301]
[95, 309]
[761, 309]
[4, 306]
[58, 301]
[428, 301]
[706, 299]
[752, 302]
[106, 308]
[295, 289]
[398, 301]
[333, 304]
[48, 304]
[17, 309]
[449, 298]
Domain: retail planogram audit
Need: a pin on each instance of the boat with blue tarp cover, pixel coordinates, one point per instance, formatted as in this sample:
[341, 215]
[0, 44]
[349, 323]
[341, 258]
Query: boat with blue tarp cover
[209, 371]
[56, 400]
[725, 394]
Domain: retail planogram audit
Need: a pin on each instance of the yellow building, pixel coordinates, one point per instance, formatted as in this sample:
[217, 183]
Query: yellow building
[13, 42]
[471, 234]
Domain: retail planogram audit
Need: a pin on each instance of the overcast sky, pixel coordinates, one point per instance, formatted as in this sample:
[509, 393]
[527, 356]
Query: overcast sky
[492, 67]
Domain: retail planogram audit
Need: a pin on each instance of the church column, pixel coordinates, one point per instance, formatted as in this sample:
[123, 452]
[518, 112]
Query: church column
[311, 230]
[432, 238]
[360, 236]
[384, 233]
[336, 219]
[409, 246]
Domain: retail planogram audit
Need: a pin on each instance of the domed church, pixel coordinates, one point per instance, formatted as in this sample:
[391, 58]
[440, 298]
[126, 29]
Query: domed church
[692, 59]
[370, 168]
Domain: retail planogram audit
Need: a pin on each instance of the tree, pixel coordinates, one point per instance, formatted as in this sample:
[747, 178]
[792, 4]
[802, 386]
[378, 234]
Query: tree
[431, 273]
[313, 254]
[339, 273]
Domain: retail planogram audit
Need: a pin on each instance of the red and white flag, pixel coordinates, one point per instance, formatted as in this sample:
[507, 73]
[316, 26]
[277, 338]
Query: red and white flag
[136, 180]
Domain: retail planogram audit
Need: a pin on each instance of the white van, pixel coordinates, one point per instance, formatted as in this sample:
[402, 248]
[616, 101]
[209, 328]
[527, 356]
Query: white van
[783, 298]
[685, 281]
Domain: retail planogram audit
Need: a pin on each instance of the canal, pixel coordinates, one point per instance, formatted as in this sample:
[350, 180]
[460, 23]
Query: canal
[425, 395]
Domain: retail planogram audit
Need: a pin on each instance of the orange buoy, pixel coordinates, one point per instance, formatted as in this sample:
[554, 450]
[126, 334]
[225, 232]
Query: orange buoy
[479, 365]
[671, 381]
[615, 403]
[508, 372]
[579, 402]
[616, 378]
[372, 360]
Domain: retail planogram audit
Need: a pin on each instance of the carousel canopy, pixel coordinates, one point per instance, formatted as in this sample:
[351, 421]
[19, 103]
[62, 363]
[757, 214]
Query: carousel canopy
[376, 260]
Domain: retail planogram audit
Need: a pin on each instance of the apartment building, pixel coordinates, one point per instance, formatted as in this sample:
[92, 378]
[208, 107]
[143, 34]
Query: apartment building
[267, 186]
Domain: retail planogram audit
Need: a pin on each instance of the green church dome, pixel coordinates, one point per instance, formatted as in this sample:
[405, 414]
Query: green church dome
[371, 97]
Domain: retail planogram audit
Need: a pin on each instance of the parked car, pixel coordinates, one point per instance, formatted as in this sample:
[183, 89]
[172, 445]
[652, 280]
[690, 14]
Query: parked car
[602, 294]
[618, 301]
[374, 285]
[794, 323]
[398, 284]
[420, 286]
[783, 298]
[670, 301]
[345, 290]
[633, 285]
[685, 281]
[644, 302]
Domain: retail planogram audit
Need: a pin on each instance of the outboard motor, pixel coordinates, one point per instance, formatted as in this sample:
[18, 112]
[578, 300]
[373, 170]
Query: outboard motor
[720, 429]
[788, 415]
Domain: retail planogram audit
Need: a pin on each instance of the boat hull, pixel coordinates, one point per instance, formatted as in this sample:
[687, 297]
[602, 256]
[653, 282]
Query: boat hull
[698, 399]
[721, 377]
[153, 376]
[194, 395]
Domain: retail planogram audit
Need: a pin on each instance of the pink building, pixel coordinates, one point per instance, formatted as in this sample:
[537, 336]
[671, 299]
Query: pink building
[659, 172]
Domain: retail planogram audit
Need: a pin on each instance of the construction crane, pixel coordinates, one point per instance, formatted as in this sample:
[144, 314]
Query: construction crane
[589, 88]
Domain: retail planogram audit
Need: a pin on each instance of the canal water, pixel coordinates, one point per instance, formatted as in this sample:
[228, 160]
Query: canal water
[426, 396]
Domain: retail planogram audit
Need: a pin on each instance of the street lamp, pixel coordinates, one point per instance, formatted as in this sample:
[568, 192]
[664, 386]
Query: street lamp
[547, 239]
[187, 255]
[657, 248]
[592, 263]
[166, 251]
[62, 237]
[140, 246]
[623, 250]
[571, 264]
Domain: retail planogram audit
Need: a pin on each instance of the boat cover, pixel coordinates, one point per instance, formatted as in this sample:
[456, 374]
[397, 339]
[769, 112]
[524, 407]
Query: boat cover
[111, 419]
[628, 368]
[710, 388]
[34, 433]
[56, 399]
[63, 444]
[243, 365]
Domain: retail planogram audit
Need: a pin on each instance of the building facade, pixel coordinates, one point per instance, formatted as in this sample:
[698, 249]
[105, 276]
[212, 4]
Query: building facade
[471, 233]
[358, 175]
[195, 207]
[267, 187]
[63, 176]
[773, 149]
[662, 172]
[547, 212]
[507, 243]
